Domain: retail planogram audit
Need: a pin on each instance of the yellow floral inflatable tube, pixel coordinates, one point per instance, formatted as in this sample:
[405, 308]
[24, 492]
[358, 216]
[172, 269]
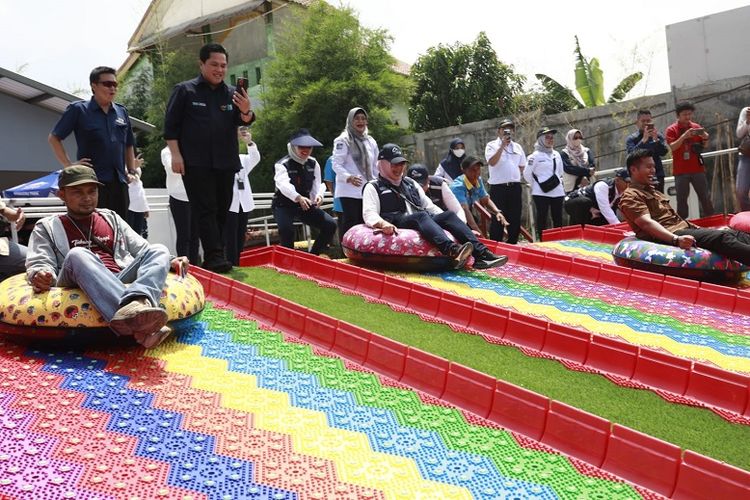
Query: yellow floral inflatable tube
[71, 308]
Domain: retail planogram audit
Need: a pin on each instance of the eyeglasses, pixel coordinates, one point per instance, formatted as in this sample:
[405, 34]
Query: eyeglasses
[109, 84]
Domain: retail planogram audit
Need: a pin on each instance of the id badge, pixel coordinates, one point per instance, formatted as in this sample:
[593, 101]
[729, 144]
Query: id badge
[240, 184]
[686, 155]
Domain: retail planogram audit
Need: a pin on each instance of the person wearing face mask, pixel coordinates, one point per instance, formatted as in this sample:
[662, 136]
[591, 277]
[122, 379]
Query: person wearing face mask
[299, 192]
[355, 154]
[450, 165]
[578, 162]
[506, 162]
[393, 201]
[544, 172]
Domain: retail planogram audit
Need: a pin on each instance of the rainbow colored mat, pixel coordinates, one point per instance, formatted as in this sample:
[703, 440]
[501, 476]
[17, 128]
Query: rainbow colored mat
[229, 410]
[598, 252]
[690, 331]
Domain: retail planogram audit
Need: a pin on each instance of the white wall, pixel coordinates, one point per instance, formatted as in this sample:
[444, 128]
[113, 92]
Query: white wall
[709, 49]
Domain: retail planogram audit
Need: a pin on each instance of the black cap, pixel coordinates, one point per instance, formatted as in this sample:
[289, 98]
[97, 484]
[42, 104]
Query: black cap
[623, 174]
[507, 124]
[470, 161]
[392, 153]
[418, 172]
[302, 137]
[75, 175]
[546, 130]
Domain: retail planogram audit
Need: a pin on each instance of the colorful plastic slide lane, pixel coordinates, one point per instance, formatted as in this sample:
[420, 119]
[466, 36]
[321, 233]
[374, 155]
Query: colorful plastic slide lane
[228, 409]
[676, 379]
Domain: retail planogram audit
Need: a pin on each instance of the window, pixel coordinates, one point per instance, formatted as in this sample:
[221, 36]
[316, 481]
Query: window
[233, 79]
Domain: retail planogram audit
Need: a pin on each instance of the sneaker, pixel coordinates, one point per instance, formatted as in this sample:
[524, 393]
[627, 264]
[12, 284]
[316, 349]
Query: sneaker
[486, 262]
[153, 339]
[460, 254]
[138, 317]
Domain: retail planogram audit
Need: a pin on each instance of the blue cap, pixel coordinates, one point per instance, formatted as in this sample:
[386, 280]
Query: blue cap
[303, 138]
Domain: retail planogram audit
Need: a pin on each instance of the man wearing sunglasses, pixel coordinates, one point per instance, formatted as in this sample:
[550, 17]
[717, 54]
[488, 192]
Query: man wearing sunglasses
[104, 136]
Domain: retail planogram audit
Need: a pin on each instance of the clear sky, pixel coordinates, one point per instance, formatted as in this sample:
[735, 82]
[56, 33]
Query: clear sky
[58, 42]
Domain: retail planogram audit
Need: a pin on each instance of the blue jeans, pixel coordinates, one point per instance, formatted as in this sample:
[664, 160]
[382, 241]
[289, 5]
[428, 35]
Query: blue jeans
[146, 276]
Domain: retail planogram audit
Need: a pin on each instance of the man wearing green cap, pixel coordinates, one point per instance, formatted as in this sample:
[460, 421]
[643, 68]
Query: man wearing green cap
[97, 251]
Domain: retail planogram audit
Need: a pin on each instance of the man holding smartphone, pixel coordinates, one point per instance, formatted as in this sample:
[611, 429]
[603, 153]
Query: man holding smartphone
[200, 128]
[687, 140]
[648, 138]
[506, 161]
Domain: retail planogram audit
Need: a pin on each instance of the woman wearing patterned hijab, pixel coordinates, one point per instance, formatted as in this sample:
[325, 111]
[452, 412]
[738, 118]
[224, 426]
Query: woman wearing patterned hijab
[355, 156]
[578, 162]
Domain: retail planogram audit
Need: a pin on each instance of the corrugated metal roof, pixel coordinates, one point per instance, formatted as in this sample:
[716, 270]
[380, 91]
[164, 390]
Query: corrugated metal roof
[38, 94]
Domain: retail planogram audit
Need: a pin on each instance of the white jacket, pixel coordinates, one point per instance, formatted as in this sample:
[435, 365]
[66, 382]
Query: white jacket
[244, 197]
[344, 166]
[175, 186]
[544, 165]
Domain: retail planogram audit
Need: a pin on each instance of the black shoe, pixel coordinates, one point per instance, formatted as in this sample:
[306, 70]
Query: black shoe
[487, 263]
[217, 265]
[487, 255]
[460, 253]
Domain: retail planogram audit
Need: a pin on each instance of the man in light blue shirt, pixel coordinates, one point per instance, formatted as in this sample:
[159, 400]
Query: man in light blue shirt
[469, 188]
[329, 177]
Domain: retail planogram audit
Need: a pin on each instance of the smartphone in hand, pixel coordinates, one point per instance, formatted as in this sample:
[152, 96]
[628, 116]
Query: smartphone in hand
[242, 84]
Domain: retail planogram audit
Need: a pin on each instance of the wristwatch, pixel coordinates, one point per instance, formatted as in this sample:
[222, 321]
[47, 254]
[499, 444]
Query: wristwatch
[675, 239]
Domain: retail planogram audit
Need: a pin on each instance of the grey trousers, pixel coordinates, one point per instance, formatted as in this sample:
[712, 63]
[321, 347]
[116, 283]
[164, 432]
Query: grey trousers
[682, 184]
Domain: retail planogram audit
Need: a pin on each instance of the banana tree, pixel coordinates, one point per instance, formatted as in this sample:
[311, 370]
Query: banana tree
[589, 84]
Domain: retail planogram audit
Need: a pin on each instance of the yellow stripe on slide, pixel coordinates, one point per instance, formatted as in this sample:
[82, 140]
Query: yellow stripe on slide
[356, 461]
[606, 328]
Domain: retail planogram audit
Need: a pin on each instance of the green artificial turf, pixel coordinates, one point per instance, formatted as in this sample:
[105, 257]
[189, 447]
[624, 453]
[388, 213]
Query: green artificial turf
[692, 428]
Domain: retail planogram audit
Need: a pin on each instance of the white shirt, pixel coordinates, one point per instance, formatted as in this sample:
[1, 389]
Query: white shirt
[508, 167]
[137, 195]
[175, 186]
[544, 165]
[285, 186]
[440, 172]
[344, 166]
[601, 191]
[244, 197]
[450, 200]
[371, 204]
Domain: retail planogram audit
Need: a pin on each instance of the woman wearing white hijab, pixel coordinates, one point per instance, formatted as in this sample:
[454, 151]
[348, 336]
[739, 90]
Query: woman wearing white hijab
[544, 172]
[578, 162]
[355, 157]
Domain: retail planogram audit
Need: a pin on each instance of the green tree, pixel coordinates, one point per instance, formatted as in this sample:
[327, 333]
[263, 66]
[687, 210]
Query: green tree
[589, 85]
[146, 93]
[325, 64]
[461, 83]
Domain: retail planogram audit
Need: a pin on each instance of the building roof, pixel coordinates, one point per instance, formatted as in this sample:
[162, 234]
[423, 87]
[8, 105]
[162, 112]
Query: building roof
[401, 67]
[38, 94]
[166, 19]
